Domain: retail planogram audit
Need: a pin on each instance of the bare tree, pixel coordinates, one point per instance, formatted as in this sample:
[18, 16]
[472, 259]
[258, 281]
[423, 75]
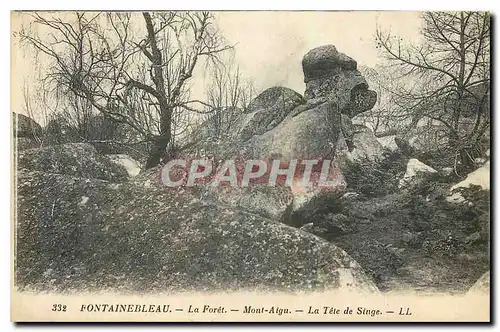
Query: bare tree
[138, 77]
[450, 75]
[228, 94]
[387, 117]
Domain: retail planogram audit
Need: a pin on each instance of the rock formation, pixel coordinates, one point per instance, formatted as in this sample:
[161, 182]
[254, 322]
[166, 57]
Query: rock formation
[480, 177]
[25, 126]
[75, 159]
[414, 169]
[268, 110]
[26, 131]
[85, 234]
[332, 75]
[281, 124]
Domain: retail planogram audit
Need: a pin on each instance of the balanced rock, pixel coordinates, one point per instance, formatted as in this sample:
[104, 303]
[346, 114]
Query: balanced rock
[332, 75]
[325, 61]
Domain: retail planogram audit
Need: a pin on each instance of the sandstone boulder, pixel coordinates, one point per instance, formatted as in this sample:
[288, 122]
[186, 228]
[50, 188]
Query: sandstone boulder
[364, 145]
[325, 61]
[273, 202]
[75, 159]
[310, 134]
[281, 124]
[25, 126]
[92, 235]
[268, 110]
[132, 166]
[414, 169]
[388, 142]
[480, 177]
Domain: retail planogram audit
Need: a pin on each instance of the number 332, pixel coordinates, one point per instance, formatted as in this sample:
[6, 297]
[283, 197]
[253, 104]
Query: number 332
[59, 307]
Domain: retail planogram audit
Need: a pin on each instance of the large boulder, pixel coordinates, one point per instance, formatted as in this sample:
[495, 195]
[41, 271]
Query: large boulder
[92, 235]
[414, 171]
[480, 177]
[225, 133]
[363, 145]
[332, 75]
[25, 126]
[26, 132]
[281, 124]
[268, 110]
[132, 166]
[277, 98]
[273, 202]
[325, 61]
[388, 142]
[223, 122]
[310, 134]
[76, 159]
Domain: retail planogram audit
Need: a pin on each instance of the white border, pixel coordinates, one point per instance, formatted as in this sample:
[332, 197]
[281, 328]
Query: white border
[6, 7]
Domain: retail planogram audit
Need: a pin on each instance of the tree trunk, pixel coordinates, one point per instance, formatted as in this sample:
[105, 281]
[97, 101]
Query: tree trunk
[161, 142]
[157, 151]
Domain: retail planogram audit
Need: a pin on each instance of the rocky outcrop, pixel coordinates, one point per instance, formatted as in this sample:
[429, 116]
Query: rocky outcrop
[132, 166]
[480, 177]
[274, 203]
[75, 159]
[27, 132]
[332, 75]
[25, 126]
[281, 124]
[75, 235]
[388, 142]
[363, 145]
[414, 169]
[310, 134]
[268, 110]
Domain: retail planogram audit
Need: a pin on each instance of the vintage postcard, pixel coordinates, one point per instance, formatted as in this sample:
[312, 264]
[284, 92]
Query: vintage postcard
[256, 166]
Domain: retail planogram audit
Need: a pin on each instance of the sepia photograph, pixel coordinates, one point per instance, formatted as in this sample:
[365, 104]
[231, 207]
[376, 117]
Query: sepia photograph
[250, 166]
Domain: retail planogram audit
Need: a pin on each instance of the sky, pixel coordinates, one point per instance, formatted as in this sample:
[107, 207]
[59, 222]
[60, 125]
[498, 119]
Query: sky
[269, 45]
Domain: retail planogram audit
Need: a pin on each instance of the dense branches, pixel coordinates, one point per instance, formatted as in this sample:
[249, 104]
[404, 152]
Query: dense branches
[132, 68]
[449, 72]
